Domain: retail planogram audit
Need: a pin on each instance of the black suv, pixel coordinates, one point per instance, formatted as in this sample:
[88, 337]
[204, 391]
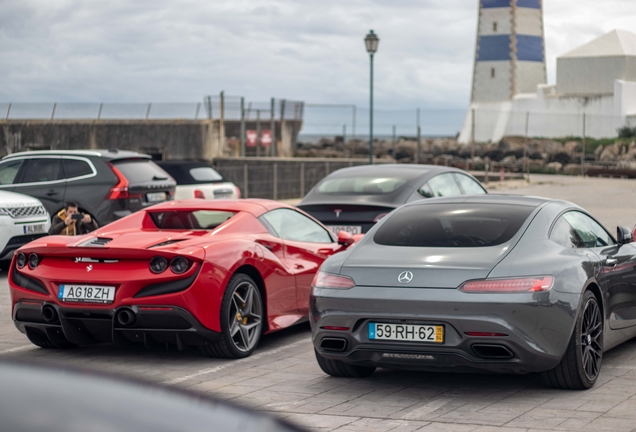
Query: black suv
[107, 184]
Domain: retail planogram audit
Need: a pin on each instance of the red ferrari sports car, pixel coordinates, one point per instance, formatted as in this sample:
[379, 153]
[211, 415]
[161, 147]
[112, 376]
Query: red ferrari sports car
[217, 274]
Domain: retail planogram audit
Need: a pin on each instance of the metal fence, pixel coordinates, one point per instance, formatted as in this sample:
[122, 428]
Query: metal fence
[212, 107]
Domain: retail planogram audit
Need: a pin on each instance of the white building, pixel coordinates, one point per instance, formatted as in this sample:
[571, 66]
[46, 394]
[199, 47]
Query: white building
[596, 81]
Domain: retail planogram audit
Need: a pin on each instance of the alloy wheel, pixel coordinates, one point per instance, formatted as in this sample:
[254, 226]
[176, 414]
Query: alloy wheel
[245, 322]
[591, 332]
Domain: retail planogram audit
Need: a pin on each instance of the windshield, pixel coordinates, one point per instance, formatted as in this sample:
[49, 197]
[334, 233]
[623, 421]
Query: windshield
[452, 225]
[361, 185]
[190, 220]
[205, 174]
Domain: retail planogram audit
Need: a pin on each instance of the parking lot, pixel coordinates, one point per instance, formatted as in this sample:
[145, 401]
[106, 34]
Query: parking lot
[283, 378]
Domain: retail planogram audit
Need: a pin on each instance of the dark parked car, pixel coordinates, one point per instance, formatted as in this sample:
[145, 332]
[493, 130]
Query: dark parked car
[107, 184]
[75, 400]
[484, 283]
[354, 199]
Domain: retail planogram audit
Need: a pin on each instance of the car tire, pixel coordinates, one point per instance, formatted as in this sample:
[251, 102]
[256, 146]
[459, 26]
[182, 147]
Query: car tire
[581, 364]
[238, 312]
[339, 369]
[40, 339]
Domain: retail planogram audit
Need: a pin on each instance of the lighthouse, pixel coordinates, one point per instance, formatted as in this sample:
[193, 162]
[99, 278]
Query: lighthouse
[510, 50]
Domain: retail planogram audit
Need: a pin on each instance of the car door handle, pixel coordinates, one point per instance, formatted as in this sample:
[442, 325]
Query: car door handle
[51, 193]
[299, 266]
[611, 262]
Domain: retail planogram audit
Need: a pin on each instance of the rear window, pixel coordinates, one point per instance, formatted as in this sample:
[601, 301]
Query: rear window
[205, 174]
[190, 220]
[361, 185]
[141, 171]
[452, 225]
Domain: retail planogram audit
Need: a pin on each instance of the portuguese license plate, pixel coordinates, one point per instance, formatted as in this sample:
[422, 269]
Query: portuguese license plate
[86, 293]
[406, 332]
[335, 229]
[156, 197]
[33, 229]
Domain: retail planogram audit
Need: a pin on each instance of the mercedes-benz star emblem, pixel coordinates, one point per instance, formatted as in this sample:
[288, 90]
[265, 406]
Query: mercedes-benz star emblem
[89, 267]
[337, 212]
[405, 277]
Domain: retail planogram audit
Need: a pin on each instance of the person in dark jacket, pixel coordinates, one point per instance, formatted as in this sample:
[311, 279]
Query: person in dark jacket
[64, 223]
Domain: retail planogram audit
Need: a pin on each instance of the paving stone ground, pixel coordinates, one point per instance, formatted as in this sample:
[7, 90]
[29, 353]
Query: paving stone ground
[282, 377]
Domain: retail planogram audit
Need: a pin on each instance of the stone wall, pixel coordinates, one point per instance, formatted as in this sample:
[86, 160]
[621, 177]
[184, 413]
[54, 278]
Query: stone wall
[165, 139]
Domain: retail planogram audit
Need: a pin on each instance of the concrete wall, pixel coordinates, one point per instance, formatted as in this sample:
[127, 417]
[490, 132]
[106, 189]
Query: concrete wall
[593, 75]
[168, 139]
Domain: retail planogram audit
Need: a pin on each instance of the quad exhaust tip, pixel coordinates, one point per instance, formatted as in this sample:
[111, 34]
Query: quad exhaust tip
[49, 314]
[333, 344]
[126, 317]
[492, 352]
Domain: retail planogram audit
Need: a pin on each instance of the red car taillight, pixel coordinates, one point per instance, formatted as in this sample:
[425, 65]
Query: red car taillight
[512, 285]
[328, 280]
[120, 190]
[199, 194]
[238, 191]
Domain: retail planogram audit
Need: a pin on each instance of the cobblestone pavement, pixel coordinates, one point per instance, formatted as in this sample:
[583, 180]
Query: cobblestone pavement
[284, 379]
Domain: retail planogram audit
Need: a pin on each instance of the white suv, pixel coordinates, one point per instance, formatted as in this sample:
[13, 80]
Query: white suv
[22, 219]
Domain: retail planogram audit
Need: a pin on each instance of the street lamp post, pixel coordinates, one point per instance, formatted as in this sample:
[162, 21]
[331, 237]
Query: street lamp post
[371, 41]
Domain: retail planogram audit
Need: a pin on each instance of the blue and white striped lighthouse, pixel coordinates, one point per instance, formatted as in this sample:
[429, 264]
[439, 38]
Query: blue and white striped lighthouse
[510, 52]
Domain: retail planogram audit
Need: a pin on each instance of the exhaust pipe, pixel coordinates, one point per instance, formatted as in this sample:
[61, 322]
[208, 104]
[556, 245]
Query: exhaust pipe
[333, 344]
[49, 314]
[126, 317]
[494, 352]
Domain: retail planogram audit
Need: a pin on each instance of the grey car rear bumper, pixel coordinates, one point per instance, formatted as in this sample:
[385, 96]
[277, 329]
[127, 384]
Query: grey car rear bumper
[538, 328]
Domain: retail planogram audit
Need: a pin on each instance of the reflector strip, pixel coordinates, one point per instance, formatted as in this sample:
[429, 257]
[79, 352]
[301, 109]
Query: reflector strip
[335, 328]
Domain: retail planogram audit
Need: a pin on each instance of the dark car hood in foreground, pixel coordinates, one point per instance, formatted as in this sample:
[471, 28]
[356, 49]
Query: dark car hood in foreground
[34, 399]
[433, 267]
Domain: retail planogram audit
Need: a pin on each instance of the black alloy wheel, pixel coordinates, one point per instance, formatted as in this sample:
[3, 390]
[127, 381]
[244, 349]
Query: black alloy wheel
[242, 315]
[581, 365]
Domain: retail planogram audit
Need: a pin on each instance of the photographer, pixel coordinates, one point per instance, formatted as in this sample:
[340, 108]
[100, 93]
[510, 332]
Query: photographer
[71, 222]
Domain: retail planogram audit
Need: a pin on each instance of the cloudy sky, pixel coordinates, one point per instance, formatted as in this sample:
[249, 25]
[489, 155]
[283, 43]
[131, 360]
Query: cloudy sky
[178, 51]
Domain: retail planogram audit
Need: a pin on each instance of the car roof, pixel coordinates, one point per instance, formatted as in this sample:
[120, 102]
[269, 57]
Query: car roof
[530, 201]
[396, 170]
[108, 154]
[184, 163]
[251, 205]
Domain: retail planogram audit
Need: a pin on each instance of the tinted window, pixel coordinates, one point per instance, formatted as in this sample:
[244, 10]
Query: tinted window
[444, 185]
[8, 171]
[41, 170]
[588, 230]
[426, 191]
[141, 171]
[452, 225]
[291, 225]
[470, 186]
[188, 220]
[76, 168]
[361, 185]
[563, 234]
[205, 174]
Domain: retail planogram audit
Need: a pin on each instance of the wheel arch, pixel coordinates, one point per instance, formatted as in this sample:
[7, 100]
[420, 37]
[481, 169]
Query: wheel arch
[251, 271]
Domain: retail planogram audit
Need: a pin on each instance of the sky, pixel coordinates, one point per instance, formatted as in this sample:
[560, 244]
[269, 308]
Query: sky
[179, 51]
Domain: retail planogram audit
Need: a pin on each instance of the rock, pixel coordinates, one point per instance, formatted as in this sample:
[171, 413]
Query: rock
[598, 150]
[509, 159]
[572, 146]
[572, 169]
[563, 158]
[611, 152]
[554, 166]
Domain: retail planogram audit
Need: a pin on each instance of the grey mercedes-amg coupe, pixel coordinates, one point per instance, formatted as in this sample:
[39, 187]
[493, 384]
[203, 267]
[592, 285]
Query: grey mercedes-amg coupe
[493, 283]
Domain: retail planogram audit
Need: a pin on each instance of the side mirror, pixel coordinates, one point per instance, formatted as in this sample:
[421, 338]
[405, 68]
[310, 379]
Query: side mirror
[345, 239]
[624, 235]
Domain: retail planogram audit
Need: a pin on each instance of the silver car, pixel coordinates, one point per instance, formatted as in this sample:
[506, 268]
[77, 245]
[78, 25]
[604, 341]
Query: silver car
[492, 283]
